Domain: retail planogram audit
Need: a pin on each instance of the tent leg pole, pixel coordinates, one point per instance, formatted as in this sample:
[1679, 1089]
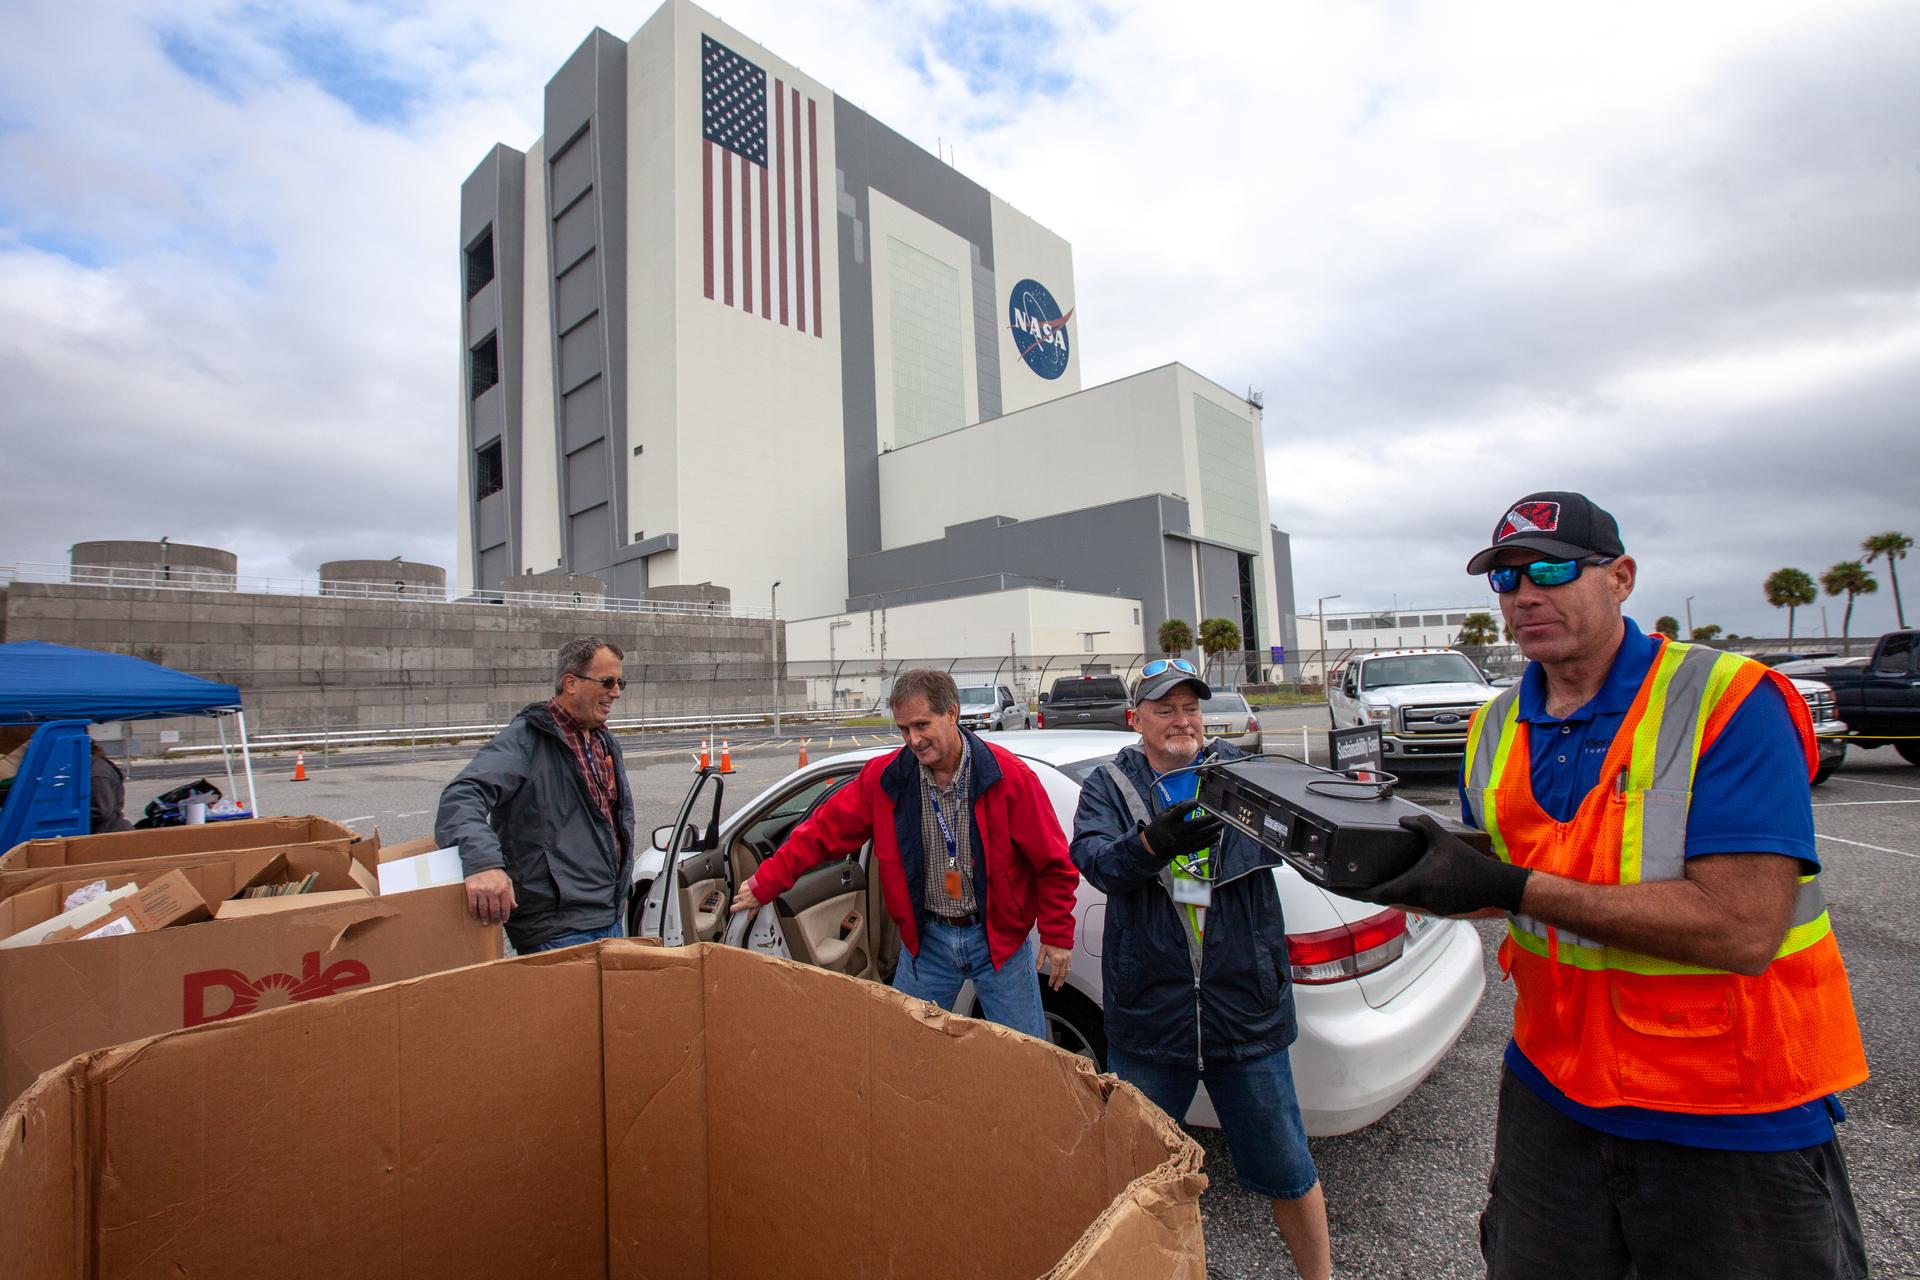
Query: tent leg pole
[226, 755]
[246, 757]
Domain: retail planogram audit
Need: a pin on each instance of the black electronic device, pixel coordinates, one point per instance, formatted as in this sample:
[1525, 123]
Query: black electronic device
[1340, 832]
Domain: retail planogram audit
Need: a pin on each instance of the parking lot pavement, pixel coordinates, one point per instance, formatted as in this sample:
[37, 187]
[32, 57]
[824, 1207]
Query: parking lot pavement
[1403, 1196]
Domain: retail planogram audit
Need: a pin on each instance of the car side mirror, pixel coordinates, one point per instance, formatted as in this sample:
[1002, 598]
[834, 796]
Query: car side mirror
[689, 838]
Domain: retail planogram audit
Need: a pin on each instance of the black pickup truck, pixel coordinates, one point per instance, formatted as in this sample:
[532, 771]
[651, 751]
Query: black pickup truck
[1880, 699]
[1086, 702]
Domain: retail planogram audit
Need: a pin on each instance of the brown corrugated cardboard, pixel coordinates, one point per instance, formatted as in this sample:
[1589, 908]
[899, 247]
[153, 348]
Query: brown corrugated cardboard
[234, 908]
[58, 999]
[620, 1110]
[166, 900]
[173, 842]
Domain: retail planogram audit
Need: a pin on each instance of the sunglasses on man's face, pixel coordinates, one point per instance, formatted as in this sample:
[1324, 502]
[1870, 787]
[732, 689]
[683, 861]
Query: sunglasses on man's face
[1158, 665]
[609, 683]
[1541, 573]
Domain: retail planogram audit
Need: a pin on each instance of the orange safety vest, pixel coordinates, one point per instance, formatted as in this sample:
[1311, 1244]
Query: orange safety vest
[1612, 1027]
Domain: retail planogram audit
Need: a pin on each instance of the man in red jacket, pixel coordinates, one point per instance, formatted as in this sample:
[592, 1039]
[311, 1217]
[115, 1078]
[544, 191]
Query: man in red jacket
[969, 854]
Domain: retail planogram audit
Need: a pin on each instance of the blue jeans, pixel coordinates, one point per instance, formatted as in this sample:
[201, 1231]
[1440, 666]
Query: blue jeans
[1259, 1114]
[949, 956]
[615, 930]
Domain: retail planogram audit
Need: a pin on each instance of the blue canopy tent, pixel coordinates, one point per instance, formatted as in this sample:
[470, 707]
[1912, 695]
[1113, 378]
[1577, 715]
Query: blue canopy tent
[49, 685]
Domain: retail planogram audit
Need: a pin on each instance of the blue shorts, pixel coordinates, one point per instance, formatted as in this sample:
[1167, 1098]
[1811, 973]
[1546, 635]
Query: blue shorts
[1259, 1114]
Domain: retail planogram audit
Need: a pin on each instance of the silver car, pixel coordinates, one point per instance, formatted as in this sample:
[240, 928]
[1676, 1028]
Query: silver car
[991, 706]
[1228, 718]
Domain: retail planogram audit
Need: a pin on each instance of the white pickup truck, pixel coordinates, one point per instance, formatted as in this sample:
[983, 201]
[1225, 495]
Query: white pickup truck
[1421, 699]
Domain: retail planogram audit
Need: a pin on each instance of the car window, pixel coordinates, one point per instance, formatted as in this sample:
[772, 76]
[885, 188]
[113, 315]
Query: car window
[1224, 703]
[1895, 652]
[777, 823]
[1081, 770]
[1088, 688]
[1419, 668]
[976, 695]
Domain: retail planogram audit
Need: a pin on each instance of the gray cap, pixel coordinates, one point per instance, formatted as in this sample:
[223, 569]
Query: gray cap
[1152, 688]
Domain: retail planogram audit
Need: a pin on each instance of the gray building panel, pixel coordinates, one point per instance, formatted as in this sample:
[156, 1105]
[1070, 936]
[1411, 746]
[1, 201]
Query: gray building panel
[493, 203]
[874, 157]
[986, 338]
[1283, 590]
[586, 201]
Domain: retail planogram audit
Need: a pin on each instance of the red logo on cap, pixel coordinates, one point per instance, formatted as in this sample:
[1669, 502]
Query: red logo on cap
[1529, 517]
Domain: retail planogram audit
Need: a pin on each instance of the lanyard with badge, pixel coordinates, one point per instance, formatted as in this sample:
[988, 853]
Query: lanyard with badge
[1193, 883]
[954, 887]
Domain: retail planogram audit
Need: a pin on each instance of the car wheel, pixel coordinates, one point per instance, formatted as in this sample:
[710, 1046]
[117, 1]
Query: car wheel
[1828, 766]
[1075, 1024]
[1333, 721]
[1909, 751]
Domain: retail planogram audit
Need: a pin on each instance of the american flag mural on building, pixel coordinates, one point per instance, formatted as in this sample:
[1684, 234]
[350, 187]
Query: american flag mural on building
[760, 170]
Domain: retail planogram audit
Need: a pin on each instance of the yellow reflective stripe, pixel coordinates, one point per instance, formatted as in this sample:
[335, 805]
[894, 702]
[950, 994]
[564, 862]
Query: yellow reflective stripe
[1490, 820]
[1725, 668]
[1602, 959]
[1640, 764]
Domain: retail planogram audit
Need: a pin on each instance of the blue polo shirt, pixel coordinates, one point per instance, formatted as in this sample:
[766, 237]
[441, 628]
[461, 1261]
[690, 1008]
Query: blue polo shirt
[1750, 795]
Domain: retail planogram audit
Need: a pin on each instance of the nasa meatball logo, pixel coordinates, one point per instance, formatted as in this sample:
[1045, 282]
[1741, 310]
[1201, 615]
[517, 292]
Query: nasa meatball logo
[1039, 328]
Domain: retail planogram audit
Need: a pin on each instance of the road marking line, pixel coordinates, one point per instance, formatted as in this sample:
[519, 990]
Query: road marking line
[1877, 848]
[1869, 782]
[414, 813]
[1842, 804]
[365, 817]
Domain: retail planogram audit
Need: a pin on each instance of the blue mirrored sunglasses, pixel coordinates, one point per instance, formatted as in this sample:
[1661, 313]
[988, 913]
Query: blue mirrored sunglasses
[1158, 665]
[1542, 573]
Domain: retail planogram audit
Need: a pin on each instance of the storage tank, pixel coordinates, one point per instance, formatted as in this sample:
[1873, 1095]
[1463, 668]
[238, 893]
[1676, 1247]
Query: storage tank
[164, 563]
[382, 577]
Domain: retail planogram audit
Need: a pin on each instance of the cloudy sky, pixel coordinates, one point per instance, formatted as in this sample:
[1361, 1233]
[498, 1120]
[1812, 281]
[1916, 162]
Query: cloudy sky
[1668, 254]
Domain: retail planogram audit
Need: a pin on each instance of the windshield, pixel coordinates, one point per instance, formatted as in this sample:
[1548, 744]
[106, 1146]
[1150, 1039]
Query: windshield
[1081, 770]
[978, 695]
[1419, 668]
[1224, 704]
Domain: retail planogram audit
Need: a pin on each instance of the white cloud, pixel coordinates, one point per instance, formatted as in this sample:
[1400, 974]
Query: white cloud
[1662, 252]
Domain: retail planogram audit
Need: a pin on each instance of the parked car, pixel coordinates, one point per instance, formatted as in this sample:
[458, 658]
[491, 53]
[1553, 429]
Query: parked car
[1779, 659]
[1879, 697]
[991, 706]
[1228, 717]
[1086, 702]
[1421, 699]
[1381, 995]
[1829, 731]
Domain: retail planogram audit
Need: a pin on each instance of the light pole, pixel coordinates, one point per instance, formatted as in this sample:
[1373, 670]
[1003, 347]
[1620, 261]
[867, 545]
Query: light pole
[834, 672]
[1689, 617]
[773, 629]
[1320, 616]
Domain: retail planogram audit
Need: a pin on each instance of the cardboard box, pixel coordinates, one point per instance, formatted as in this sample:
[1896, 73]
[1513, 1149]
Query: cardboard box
[234, 908]
[171, 842]
[169, 899]
[402, 871]
[62, 998]
[619, 1110]
[48, 914]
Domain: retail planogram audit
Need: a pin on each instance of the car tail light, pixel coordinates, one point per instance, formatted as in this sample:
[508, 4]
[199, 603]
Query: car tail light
[1129, 717]
[1253, 724]
[1347, 950]
[1040, 718]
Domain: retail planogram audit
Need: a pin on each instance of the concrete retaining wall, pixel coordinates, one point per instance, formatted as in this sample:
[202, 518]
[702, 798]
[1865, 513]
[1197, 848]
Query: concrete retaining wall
[304, 662]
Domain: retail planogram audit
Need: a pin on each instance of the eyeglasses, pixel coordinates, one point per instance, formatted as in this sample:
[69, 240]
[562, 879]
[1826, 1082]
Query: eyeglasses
[1158, 665]
[609, 683]
[1542, 573]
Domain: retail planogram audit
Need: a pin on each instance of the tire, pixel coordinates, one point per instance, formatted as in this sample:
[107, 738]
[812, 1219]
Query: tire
[1827, 767]
[1333, 721]
[1909, 751]
[1075, 1024]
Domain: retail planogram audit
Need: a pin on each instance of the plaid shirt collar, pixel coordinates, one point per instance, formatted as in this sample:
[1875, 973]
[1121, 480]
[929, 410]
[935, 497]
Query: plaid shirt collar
[590, 756]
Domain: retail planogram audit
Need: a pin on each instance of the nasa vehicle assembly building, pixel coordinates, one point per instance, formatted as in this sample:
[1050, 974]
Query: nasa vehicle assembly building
[723, 327]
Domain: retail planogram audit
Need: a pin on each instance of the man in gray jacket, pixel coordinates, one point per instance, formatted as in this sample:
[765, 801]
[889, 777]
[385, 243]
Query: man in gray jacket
[543, 816]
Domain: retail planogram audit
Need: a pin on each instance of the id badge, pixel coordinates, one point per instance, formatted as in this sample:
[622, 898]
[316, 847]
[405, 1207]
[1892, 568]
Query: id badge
[1192, 893]
[954, 886]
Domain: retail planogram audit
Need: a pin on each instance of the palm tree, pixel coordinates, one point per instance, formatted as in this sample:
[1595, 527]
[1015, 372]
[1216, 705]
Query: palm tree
[1175, 636]
[1667, 625]
[1707, 631]
[1894, 547]
[1217, 636]
[1478, 629]
[1849, 578]
[1789, 589]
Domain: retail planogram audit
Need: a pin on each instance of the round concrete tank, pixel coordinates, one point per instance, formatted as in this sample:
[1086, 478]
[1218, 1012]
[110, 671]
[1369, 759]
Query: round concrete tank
[382, 577]
[556, 588]
[164, 563]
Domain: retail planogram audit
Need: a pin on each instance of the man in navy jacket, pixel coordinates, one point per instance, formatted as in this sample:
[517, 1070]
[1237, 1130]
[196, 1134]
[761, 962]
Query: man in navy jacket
[1194, 963]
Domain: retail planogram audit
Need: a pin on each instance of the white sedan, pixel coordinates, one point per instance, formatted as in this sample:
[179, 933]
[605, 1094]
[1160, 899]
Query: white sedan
[1381, 995]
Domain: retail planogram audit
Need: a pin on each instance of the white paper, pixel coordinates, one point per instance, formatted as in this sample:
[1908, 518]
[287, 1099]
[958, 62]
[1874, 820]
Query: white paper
[84, 894]
[122, 925]
[422, 871]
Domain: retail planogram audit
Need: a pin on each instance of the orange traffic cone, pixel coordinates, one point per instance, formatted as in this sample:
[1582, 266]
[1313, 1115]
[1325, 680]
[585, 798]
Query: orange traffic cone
[726, 757]
[803, 753]
[299, 767]
[705, 760]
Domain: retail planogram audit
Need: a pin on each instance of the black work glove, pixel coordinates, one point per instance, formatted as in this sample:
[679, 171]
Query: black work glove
[1452, 878]
[1170, 835]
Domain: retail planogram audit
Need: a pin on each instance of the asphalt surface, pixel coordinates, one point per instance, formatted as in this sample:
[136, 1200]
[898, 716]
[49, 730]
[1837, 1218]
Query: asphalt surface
[1404, 1195]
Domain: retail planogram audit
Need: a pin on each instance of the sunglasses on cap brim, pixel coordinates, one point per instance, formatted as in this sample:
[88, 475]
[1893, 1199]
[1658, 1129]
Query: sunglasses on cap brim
[1159, 665]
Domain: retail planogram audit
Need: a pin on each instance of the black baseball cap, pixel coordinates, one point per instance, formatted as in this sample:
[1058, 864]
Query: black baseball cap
[1555, 523]
[1161, 676]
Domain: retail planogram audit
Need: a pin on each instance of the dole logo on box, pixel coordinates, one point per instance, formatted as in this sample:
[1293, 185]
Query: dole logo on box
[270, 992]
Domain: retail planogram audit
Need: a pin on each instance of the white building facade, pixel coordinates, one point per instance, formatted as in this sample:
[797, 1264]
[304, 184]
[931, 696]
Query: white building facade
[723, 328]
